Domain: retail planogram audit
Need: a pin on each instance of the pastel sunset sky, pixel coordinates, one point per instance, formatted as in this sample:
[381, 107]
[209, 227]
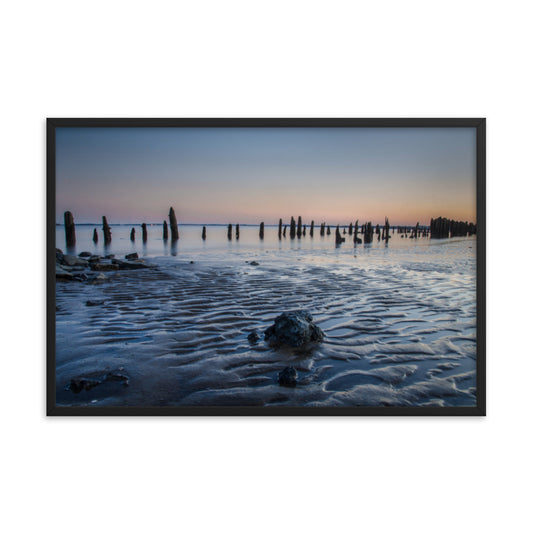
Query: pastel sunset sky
[249, 175]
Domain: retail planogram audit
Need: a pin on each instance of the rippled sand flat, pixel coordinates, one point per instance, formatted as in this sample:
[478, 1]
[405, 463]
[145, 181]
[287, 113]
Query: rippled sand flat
[400, 329]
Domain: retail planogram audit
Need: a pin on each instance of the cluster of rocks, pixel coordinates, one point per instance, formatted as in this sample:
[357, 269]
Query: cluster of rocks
[295, 329]
[86, 383]
[90, 267]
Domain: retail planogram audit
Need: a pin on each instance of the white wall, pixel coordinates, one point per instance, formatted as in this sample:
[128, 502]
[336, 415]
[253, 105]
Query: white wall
[275, 58]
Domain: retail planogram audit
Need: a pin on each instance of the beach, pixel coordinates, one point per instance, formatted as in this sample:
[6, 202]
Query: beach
[399, 320]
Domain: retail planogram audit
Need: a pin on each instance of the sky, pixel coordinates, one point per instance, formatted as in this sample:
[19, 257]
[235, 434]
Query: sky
[250, 175]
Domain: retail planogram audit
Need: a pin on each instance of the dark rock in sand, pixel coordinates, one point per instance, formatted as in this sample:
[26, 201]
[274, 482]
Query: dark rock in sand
[288, 377]
[79, 384]
[85, 254]
[99, 267]
[94, 258]
[294, 328]
[134, 255]
[254, 263]
[253, 337]
[72, 260]
[129, 265]
[62, 273]
[117, 376]
[92, 303]
[58, 250]
[109, 256]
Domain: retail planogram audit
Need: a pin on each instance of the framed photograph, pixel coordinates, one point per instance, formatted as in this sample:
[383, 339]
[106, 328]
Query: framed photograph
[266, 266]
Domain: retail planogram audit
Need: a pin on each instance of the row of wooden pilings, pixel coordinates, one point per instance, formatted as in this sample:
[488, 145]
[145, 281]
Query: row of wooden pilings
[439, 228]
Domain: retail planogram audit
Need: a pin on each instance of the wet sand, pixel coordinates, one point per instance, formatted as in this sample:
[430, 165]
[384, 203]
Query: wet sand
[400, 330]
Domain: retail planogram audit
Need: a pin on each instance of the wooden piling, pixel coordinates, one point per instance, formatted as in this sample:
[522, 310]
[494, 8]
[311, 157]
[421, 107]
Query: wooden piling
[322, 229]
[237, 232]
[338, 238]
[165, 230]
[387, 228]
[204, 233]
[70, 229]
[279, 228]
[350, 229]
[303, 230]
[285, 231]
[173, 225]
[95, 236]
[292, 232]
[145, 232]
[328, 232]
[368, 234]
[262, 230]
[312, 228]
[299, 230]
[229, 232]
[106, 230]
[132, 235]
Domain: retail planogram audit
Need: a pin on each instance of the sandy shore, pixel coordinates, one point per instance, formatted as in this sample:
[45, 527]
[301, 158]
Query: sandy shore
[396, 334]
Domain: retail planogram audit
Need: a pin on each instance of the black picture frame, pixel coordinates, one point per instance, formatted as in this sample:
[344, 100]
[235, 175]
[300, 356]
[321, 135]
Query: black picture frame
[478, 123]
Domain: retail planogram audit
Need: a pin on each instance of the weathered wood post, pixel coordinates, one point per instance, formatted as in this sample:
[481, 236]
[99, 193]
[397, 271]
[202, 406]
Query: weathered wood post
[145, 232]
[312, 228]
[368, 233]
[322, 229]
[204, 233]
[417, 230]
[285, 231]
[299, 230]
[338, 238]
[355, 230]
[237, 232]
[173, 225]
[387, 228]
[132, 235]
[70, 229]
[378, 232]
[350, 229]
[304, 229]
[95, 236]
[262, 230]
[279, 229]
[107, 231]
[328, 232]
[229, 232]
[293, 228]
[165, 230]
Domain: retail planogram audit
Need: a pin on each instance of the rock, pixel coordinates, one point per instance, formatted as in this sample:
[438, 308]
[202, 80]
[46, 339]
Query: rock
[61, 273]
[72, 260]
[294, 328]
[99, 267]
[117, 376]
[191, 262]
[254, 263]
[95, 279]
[109, 256]
[60, 257]
[85, 254]
[94, 258]
[253, 337]
[129, 265]
[59, 251]
[134, 255]
[79, 384]
[288, 377]
[92, 303]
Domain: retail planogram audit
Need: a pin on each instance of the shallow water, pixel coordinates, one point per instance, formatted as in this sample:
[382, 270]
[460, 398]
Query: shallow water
[399, 319]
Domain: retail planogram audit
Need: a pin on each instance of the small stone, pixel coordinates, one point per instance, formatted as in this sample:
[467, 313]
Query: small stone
[79, 384]
[254, 263]
[85, 254]
[253, 337]
[288, 377]
[134, 255]
[92, 303]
